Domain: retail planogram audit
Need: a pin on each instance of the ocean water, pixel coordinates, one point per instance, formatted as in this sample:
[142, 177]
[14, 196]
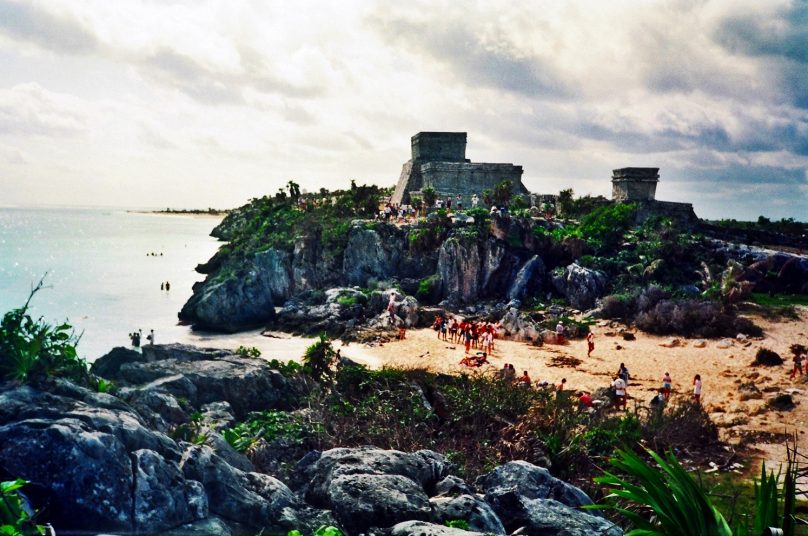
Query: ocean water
[101, 276]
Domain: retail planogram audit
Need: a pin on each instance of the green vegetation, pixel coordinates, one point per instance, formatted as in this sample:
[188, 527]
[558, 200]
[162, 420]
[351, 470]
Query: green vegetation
[477, 420]
[430, 196]
[251, 351]
[318, 361]
[787, 226]
[662, 498]
[32, 351]
[193, 431]
[268, 425]
[321, 531]
[14, 518]
[779, 300]
[461, 524]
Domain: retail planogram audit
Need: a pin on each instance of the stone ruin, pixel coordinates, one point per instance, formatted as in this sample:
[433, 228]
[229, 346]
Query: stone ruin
[439, 161]
[638, 185]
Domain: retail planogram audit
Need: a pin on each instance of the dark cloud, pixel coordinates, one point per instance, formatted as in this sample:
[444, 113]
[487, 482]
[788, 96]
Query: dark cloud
[57, 33]
[185, 74]
[784, 35]
[473, 61]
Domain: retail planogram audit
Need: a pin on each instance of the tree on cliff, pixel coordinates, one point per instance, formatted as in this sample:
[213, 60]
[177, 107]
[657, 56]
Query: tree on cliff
[430, 196]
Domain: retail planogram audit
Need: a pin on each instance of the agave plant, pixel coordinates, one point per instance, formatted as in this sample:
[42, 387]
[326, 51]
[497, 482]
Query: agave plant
[669, 501]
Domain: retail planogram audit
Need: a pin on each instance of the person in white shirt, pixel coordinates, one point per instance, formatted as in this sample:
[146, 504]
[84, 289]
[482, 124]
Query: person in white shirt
[619, 386]
[697, 388]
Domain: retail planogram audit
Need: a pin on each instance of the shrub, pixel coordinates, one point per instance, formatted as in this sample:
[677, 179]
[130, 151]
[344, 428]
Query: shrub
[617, 306]
[319, 359]
[768, 358]
[15, 519]
[269, 425]
[250, 351]
[33, 350]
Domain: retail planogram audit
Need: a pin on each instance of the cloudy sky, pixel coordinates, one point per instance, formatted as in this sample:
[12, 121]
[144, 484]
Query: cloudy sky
[155, 103]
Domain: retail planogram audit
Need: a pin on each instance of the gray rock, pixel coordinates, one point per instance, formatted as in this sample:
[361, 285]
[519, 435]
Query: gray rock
[421, 528]
[581, 286]
[160, 410]
[108, 365]
[361, 501]
[233, 302]
[204, 527]
[531, 482]
[551, 518]
[202, 377]
[528, 280]
[276, 267]
[87, 471]
[316, 471]
[479, 515]
[452, 486]
[372, 253]
[253, 499]
[218, 415]
[162, 497]
[459, 266]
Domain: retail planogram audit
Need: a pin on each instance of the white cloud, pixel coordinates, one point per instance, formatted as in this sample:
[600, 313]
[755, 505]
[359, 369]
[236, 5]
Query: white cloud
[253, 93]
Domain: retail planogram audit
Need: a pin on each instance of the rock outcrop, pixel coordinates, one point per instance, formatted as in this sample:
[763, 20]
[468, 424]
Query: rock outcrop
[581, 286]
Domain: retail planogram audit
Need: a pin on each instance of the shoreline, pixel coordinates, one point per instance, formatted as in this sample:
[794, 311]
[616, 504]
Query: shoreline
[195, 214]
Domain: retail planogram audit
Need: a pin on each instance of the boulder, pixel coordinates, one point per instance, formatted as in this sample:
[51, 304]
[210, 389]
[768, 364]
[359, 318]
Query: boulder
[528, 279]
[749, 391]
[581, 286]
[422, 528]
[531, 482]
[252, 499]
[108, 365]
[550, 517]
[452, 486]
[204, 376]
[360, 501]
[782, 402]
[161, 495]
[475, 511]
[204, 527]
[231, 302]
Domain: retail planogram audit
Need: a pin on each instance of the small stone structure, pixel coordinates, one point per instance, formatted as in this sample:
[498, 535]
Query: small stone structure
[634, 184]
[439, 161]
[638, 185]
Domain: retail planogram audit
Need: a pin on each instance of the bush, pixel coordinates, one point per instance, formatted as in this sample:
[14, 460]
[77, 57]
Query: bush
[319, 359]
[15, 519]
[617, 306]
[268, 425]
[768, 358]
[33, 350]
[250, 351]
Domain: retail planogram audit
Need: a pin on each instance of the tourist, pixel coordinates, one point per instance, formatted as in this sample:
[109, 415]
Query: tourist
[474, 201]
[168, 285]
[697, 388]
[584, 400]
[799, 357]
[503, 372]
[619, 387]
[459, 202]
[510, 374]
[162, 285]
[590, 342]
[135, 338]
[448, 202]
[622, 373]
[658, 402]
[467, 336]
[560, 387]
[667, 383]
[524, 380]
[494, 210]
[453, 330]
[150, 337]
[402, 332]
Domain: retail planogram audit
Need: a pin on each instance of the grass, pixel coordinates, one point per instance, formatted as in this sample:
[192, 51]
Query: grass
[779, 300]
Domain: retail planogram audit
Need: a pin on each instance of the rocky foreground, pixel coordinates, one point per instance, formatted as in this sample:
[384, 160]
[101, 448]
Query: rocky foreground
[107, 463]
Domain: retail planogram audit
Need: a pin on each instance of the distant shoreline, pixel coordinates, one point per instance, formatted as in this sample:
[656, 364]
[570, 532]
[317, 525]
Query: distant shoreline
[214, 213]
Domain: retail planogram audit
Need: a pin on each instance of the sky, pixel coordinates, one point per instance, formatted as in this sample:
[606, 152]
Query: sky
[196, 104]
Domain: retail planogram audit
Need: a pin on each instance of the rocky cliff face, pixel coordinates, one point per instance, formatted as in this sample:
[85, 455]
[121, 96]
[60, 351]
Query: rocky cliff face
[464, 267]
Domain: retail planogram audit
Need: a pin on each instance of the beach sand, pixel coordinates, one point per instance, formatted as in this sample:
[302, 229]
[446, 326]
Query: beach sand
[722, 367]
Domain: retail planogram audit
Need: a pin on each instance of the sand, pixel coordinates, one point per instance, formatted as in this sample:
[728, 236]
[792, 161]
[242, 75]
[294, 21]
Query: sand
[723, 365]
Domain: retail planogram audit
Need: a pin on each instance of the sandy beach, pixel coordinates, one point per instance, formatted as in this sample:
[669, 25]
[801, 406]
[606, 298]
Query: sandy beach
[722, 364]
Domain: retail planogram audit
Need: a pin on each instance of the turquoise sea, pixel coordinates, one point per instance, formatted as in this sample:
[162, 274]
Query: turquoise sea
[102, 278]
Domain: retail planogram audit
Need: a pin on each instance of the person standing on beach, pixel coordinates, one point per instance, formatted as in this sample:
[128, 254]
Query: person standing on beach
[667, 384]
[590, 342]
[799, 357]
[697, 388]
[150, 337]
[168, 286]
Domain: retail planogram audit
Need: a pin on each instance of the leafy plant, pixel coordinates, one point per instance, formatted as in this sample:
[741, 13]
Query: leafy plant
[321, 531]
[666, 500]
[269, 425]
[457, 524]
[32, 350]
[15, 519]
[318, 361]
[251, 351]
[287, 368]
